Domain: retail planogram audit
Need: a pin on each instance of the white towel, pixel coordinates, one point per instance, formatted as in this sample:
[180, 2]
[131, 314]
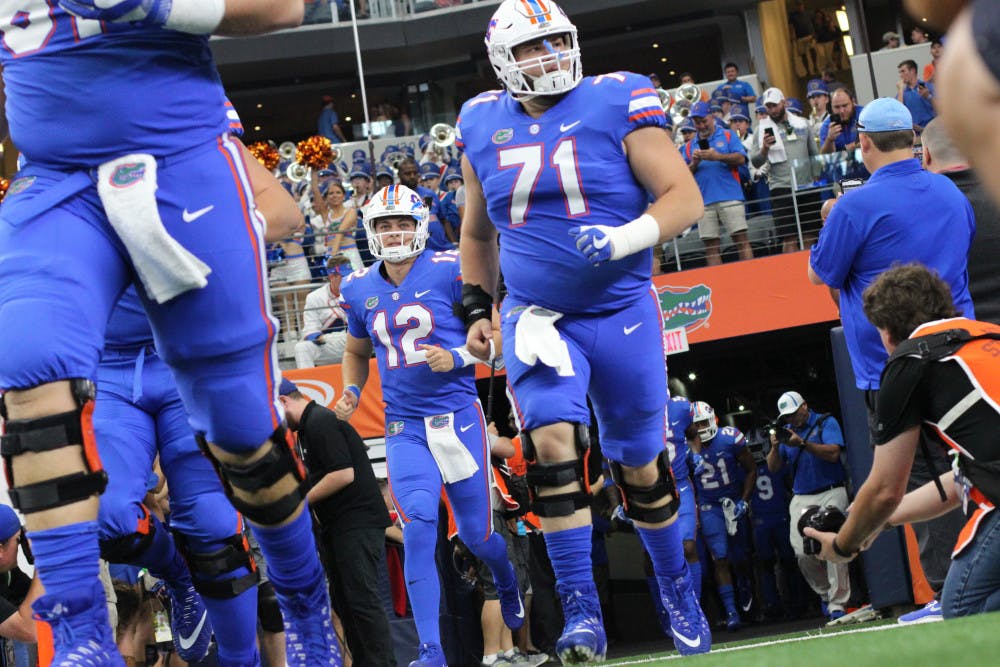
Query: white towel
[777, 152]
[729, 514]
[127, 187]
[537, 339]
[451, 455]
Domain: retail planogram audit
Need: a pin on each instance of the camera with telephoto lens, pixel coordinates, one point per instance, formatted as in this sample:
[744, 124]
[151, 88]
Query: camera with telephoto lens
[827, 519]
[778, 430]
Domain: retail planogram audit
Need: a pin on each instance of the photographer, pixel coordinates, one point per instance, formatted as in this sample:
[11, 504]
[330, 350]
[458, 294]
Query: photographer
[17, 590]
[839, 132]
[810, 445]
[942, 387]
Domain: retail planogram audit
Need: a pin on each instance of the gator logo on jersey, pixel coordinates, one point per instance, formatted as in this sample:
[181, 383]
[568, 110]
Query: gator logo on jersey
[440, 421]
[20, 185]
[503, 136]
[394, 428]
[128, 174]
[371, 302]
[688, 307]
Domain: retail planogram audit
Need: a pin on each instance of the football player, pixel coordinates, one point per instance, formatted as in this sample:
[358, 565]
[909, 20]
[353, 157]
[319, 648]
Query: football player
[149, 189]
[563, 168]
[723, 451]
[404, 307]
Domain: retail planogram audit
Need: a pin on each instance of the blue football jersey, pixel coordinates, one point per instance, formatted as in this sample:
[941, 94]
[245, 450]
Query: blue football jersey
[128, 325]
[80, 92]
[541, 177]
[680, 418]
[398, 319]
[771, 494]
[720, 478]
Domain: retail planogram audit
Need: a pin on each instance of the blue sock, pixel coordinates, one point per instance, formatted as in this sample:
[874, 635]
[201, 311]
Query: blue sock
[728, 598]
[236, 638]
[161, 557]
[291, 555]
[769, 586]
[422, 583]
[493, 552]
[665, 548]
[67, 557]
[569, 551]
[695, 570]
[654, 593]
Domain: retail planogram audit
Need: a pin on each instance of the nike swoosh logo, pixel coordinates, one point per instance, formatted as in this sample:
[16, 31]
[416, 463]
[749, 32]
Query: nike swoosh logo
[194, 215]
[188, 642]
[629, 330]
[465, 428]
[601, 242]
[692, 643]
[420, 295]
[567, 128]
[520, 611]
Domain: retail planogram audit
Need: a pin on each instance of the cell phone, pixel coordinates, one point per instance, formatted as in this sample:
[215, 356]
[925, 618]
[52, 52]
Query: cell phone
[848, 184]
[769, 131]
[703, 144]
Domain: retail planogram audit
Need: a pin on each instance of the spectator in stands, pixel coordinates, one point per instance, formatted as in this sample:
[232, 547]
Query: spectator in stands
[827, 35]
[918, 36]
[942, 157]
[441, 235]
[430, 177]
[819, 101]
[917, 95]
[736, 88]
[449, 204]
[339, 224]
[839, 131]
[384, 177]
[829, 77]
[654, 78]
[324, 330]
[328, 124]
[783, 140]
[361, 184]
[926, 392]
[17, 590]
[812, 451]
[346, 501]
[890, 40]
[937, 49]
[803, 37]
[753, 180]
[687, 77]
[715, 160]
[794, 106]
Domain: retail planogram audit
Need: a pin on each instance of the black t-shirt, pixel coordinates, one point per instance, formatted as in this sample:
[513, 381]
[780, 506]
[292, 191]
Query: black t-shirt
[914, 392]
[984, 254]
[329, 444]
[986, 33]
[14, 587]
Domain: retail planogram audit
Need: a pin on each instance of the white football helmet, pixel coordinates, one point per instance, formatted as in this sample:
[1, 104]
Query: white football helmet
[390, 201]
[518, 21]
[705, 421]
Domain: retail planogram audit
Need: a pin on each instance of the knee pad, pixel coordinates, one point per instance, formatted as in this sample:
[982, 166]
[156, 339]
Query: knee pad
[128, 548]
[215, 573]
[636, 499]
[268, 610]
[553, 475]
[45, 434]
[279, 461]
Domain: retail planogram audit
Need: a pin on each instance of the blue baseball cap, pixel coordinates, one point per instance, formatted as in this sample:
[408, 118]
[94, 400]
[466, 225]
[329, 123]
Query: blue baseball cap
[9, 523]
[383, 170]
[700, 110]
[362, 170]
[287, 387]
[886, 114]
[429, 170]
[739, 112]
[324, 173]
[452, 174]
[688, 125]
[793, 104]
[817, 87]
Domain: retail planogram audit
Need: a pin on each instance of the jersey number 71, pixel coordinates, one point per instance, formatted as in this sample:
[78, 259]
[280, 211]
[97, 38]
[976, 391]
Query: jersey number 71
[529, 160]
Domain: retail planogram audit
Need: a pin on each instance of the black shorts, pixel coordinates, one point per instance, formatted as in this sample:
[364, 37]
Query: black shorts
[986, 32]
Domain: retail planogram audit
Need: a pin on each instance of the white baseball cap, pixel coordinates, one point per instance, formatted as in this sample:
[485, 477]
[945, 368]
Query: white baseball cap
[789, 403]
[772, 96]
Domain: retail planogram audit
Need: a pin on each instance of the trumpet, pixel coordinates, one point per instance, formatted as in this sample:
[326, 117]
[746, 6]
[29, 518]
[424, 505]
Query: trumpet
[287, 151]
[395, 159]
[442, 135]
[298, 172]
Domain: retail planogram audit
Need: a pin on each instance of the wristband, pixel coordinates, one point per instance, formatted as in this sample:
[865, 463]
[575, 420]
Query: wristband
[353, 389]
[840, 552]
[462, 357]
[198, 17]
[476, 304]
[641, 233]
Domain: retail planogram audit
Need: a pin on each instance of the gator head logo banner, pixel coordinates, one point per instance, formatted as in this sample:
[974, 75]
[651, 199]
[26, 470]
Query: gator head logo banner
[128, 174]
[685, 307]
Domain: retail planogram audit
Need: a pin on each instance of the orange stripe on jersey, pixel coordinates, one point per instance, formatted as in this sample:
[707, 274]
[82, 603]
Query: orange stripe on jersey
[261, 280]
[395, 500]
[647, 114]
[643, 91]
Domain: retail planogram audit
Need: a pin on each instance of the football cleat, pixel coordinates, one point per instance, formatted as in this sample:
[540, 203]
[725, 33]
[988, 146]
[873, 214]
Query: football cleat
[430, 655]
[583, 638]
[688, 625]
[80, 629]
[309, 637]
[733, 622]
[929, 613]
[511, 604]
[189, 624]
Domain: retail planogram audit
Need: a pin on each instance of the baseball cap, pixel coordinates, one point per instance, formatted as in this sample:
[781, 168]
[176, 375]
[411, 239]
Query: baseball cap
[688, 125]
[700, 110]
[327, 99]
[383, 170]
[9, 523]
[362, 170]
[453, 174]
[789, 403]
[739, 112]
[287, 387]
[816, 87]
[885, 114]
[889, 34]
[429, 170]
[794, 104]
[772, 96]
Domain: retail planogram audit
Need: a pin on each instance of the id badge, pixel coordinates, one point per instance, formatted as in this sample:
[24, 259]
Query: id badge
[791, 136]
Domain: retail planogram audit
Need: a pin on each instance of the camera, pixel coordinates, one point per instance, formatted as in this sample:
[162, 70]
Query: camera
[827, 519]
[778, 430]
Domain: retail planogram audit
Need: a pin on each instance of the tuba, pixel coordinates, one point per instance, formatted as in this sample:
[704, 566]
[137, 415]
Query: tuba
[287, 151]
[394, 159]
[297, 172]
[684, 98]
[442, 135]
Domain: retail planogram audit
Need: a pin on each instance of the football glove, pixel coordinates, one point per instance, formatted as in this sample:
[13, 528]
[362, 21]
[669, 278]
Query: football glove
[697, 463]
[741, 508]
[594, 242]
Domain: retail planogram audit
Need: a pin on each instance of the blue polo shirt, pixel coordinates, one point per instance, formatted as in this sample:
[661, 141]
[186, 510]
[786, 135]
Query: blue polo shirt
[849, 135]
[327, 119]
[922, 110]
[902, 214]
[717, 180]
[812, 473]
[737, 88]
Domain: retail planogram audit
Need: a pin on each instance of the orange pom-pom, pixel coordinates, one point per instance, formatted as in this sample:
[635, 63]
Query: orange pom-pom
[4, 184]
[265, 153]
[315, 152]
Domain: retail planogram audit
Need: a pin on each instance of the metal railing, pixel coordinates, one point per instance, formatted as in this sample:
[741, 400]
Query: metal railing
[339, 11]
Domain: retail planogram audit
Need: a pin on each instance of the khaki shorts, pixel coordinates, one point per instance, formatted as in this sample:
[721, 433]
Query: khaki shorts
[728, 213]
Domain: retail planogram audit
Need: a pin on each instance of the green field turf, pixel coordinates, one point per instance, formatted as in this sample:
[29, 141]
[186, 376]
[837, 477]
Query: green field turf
[963, 642]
